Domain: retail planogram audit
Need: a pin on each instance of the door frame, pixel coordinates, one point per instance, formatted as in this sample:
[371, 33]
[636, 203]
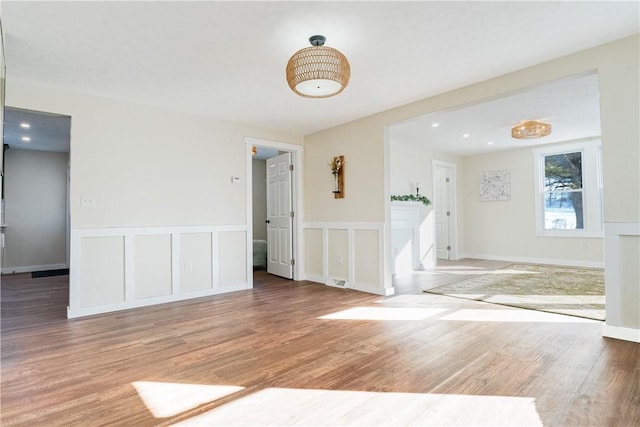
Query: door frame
[297, 202]
[453, 223]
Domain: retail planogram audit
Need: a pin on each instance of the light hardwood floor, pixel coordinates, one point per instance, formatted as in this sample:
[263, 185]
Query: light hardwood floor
[298, 353]
[444, 273]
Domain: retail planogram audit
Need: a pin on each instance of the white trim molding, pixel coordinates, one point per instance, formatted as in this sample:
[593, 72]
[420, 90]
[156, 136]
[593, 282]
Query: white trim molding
[620, 296]
[352, 281]
[620, 333]
[79, 285]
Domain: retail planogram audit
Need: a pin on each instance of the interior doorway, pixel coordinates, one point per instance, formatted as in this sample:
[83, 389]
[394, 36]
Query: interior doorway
[36, 192]
[275, 207]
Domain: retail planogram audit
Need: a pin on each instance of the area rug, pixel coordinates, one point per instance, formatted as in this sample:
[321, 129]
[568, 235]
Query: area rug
[563, 290]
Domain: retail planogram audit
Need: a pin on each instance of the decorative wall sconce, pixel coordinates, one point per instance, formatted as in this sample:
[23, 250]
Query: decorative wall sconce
[337, 170]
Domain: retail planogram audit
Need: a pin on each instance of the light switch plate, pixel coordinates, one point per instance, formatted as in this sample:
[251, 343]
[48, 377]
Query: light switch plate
[88, 201]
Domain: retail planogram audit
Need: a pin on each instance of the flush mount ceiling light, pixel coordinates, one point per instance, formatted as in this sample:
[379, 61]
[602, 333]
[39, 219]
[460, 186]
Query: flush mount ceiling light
[530, 129]
[318, 71]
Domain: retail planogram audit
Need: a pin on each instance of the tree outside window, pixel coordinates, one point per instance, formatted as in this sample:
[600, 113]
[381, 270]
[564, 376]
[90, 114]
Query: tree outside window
[568, 189]
[563, 205]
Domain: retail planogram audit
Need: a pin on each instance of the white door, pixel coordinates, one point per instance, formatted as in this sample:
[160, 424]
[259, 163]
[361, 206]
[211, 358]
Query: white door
[279, 216]
[442, 195]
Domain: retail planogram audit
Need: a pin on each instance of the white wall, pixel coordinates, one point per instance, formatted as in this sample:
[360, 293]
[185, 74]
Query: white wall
[35, 203]
[259, 193]
[155, 169]
[507, 229]
[147, 166]
[411, 161]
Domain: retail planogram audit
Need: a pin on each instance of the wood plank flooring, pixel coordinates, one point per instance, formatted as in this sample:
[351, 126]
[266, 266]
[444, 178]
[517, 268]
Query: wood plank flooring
[300, 353]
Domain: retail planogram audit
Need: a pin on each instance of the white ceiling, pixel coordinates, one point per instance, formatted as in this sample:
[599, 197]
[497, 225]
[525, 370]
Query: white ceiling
[571, 105]
[227, 59]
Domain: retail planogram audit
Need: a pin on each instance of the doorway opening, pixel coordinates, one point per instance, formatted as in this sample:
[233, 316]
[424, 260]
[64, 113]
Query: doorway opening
[508, 190]
[36, 192]
[274, 205]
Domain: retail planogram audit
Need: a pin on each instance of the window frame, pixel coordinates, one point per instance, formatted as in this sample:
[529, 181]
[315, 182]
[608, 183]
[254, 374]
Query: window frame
[591, 150]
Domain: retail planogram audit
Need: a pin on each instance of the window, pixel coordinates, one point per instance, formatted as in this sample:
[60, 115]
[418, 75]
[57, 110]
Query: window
[569, 190]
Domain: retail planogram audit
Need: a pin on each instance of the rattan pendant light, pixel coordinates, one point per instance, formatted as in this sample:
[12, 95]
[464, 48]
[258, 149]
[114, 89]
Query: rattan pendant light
[530, 129]
[318, 71]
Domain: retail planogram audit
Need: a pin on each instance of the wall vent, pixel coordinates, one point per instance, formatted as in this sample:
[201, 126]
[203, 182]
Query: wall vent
[337, 282]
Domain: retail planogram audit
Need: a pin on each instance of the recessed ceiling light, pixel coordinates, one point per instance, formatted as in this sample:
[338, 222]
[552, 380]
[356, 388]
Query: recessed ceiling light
[465, 135]
[435, 125]
[26, 139]
[490, 143]
[25, 125]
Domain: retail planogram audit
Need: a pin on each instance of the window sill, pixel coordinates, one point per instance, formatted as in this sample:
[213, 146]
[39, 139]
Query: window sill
[570, 233]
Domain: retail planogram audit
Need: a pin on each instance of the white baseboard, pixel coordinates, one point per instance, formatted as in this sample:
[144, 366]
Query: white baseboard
[620, 333]
[371, 289]
[314, 278]
[32, 268]
[528, 260]
[368, 288]
[145, 302]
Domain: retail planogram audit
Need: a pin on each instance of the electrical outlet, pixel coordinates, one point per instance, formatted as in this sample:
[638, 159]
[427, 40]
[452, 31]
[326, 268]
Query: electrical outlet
[339, 259]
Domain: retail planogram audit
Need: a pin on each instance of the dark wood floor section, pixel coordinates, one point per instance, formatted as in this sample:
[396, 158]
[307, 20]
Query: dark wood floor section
[59, 372]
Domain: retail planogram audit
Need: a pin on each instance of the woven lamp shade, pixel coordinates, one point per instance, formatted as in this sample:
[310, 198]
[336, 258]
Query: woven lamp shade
[318, 72]
[530, 129]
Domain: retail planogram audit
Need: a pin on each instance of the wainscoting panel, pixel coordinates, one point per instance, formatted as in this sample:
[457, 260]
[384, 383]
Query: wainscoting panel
[313, 254]
[152, 265]
[366, 262]
[338, 259]
[233, 258]
[120, 268]
[347, 255]
[102, 270]
[195, 262]
[622, 280]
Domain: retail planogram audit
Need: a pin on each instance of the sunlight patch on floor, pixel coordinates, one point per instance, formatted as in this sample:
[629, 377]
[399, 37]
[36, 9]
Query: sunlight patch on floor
[506, 315]
[384, 313]
[170, 399]
[423, 298]
[292, 407]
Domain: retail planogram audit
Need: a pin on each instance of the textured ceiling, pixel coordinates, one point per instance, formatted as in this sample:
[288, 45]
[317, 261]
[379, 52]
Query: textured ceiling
[227, 59]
